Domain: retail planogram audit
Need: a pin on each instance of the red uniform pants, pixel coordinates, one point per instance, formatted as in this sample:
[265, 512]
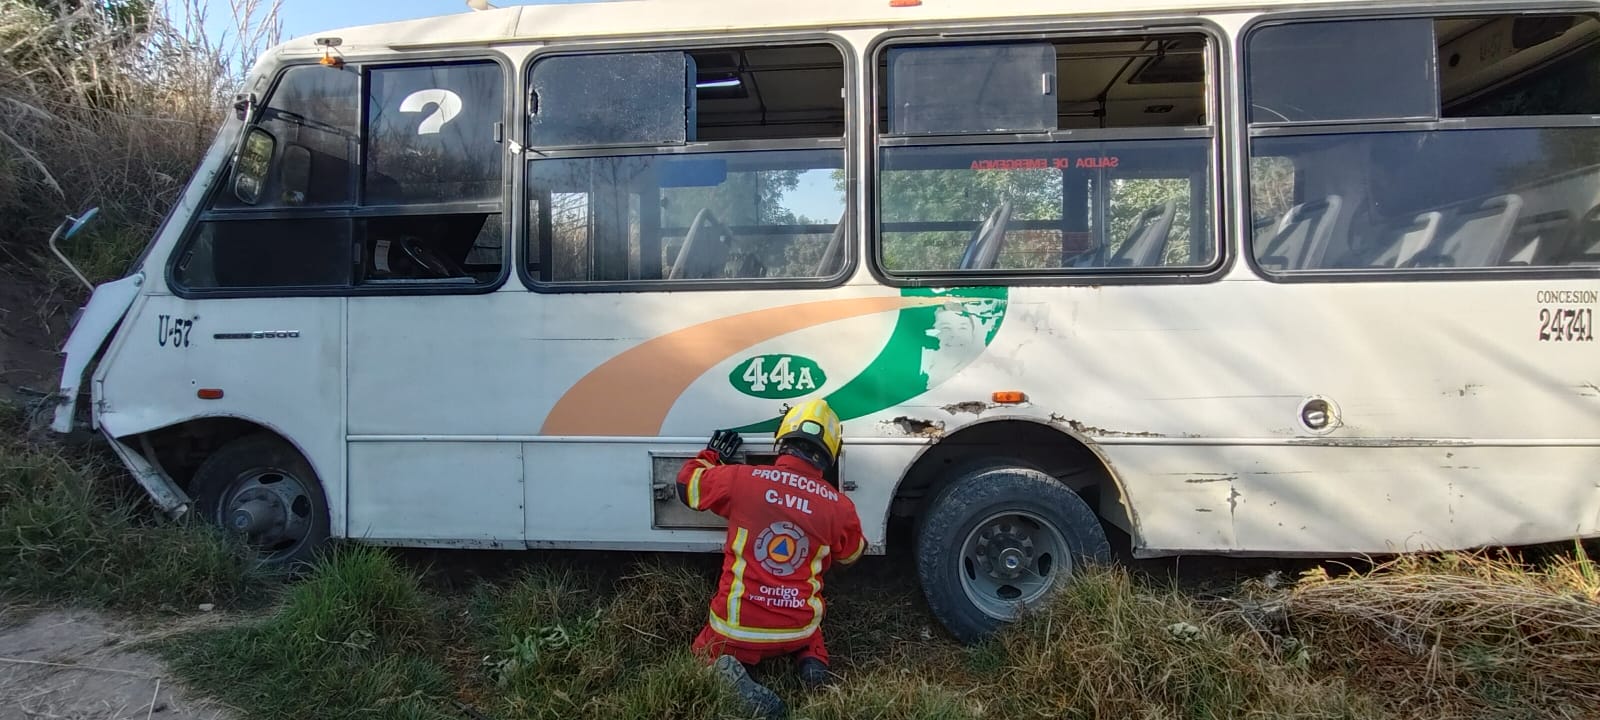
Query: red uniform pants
[710, 645]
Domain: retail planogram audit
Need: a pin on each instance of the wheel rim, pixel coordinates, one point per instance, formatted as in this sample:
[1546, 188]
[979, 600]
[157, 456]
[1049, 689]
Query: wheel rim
[271, 508]
[1010, 560]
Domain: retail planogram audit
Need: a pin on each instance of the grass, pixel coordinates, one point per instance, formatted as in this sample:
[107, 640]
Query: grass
[1485, 635]
[358, 638]
[371, 634]
[72, 529]
[365, 636]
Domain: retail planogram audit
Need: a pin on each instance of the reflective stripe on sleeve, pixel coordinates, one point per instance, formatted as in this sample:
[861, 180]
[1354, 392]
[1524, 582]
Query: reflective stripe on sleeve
[861, 547]
[694, 485]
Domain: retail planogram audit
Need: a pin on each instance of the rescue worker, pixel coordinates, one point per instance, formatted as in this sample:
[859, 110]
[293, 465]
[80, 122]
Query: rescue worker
[787, 524]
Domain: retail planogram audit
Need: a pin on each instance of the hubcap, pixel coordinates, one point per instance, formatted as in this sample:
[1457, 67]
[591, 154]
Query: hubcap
[253, 517]
[1010, 560]
[271, 508]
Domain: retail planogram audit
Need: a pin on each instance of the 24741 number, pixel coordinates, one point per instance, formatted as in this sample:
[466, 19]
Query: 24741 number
[1566, 324]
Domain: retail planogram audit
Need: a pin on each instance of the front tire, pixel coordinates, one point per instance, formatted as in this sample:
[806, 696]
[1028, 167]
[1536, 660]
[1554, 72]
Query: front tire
[262, 488]
[1000, 540]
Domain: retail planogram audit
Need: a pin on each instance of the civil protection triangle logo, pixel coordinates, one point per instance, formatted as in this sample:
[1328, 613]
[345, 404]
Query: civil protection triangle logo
[782, 548]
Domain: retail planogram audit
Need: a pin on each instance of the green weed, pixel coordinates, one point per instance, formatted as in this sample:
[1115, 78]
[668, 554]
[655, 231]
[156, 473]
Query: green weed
[357, 638]
[70, 529]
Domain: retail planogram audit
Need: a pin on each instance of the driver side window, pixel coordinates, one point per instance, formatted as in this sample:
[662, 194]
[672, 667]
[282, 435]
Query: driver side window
[298, 213]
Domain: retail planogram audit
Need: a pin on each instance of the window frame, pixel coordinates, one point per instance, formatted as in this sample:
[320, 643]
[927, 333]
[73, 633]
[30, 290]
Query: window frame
[845, 144]
[1248, 132]
[356, 211]
[1218, 86]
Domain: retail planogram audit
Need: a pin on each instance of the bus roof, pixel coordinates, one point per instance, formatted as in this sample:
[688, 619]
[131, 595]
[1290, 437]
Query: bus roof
[633, 18]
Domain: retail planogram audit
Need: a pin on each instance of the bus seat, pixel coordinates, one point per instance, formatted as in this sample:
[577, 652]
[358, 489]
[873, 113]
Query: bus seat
[1526, 255]
[1302, 235]
[833, 255]
[983, 248]
[1400, 243]
[1146, 244]
[1479, 237]
[1424, 228]
[704, 253]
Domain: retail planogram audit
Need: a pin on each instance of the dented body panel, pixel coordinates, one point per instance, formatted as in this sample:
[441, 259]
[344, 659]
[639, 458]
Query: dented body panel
[106, 307]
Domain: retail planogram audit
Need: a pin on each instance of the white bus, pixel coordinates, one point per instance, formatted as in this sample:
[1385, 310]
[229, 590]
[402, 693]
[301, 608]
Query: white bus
[1261, 278]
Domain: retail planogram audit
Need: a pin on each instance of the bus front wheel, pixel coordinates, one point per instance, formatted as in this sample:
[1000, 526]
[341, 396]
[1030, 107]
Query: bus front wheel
[262, 488]
[997, 541]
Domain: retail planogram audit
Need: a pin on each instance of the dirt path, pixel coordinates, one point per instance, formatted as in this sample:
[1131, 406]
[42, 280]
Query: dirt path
[79, 665]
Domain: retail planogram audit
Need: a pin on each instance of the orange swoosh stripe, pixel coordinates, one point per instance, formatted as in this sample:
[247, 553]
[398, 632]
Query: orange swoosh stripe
[631, 394]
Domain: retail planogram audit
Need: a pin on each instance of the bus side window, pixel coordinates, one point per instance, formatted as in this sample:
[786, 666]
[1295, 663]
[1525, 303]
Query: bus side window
[431, 134]
[1016, 158]
[701, 165]
[434, 165]
[1505, 183]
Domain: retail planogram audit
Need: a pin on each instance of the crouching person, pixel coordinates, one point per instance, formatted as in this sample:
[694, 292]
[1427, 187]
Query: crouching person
[787, 524]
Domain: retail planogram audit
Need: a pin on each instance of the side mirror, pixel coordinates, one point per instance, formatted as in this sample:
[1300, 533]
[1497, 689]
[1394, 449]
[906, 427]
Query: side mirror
[80, 221]
[66, 229]
[250, 169]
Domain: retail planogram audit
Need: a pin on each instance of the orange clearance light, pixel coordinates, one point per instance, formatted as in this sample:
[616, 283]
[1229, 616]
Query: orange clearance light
[1009, 397]
[209, 394]
[904, 3]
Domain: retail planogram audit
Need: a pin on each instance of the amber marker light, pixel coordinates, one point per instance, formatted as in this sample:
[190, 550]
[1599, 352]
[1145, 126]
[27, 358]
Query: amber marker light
[1009, 397]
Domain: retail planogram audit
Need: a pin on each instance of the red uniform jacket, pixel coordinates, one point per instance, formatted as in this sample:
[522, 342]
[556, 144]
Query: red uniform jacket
[786, 526]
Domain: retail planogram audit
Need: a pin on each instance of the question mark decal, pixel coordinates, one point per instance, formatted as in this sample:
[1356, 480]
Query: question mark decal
[447, 107]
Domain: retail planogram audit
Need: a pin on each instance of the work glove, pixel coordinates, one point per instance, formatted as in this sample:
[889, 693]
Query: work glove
[725, 443]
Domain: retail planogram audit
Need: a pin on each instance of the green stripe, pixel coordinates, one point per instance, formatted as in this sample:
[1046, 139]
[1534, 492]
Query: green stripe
[895, 375]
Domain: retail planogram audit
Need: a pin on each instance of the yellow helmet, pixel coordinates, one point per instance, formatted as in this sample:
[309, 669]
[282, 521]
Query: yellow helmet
[814, 422]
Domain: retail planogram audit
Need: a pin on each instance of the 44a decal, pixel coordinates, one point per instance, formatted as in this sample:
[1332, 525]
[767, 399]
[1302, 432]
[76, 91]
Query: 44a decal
[777, 377]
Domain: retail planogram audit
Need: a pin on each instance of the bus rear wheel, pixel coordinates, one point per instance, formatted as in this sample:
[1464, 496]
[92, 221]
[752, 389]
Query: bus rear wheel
[263, 489]
[998, 541]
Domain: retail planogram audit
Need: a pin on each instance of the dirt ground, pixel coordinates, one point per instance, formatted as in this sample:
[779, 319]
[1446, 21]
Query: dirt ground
[32, 326]
[79, 665]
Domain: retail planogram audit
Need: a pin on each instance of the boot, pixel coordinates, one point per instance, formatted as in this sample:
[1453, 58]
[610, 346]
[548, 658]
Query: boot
[813, 673]
[758, 699]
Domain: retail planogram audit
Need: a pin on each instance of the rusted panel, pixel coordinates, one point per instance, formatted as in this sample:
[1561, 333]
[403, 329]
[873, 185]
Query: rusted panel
[971, 406]
[1092, 431]
[913, 426]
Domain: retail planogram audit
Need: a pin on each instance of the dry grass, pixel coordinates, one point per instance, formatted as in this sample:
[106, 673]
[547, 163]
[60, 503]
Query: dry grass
[110, 105]
[1460, 635]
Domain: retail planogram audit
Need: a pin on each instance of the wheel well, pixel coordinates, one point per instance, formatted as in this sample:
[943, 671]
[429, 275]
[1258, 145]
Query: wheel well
[1034, 444]
[180, 449]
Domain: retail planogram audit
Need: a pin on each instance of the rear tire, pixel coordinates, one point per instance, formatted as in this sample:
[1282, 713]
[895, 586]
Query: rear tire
[1000, 540]
[261, 487]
